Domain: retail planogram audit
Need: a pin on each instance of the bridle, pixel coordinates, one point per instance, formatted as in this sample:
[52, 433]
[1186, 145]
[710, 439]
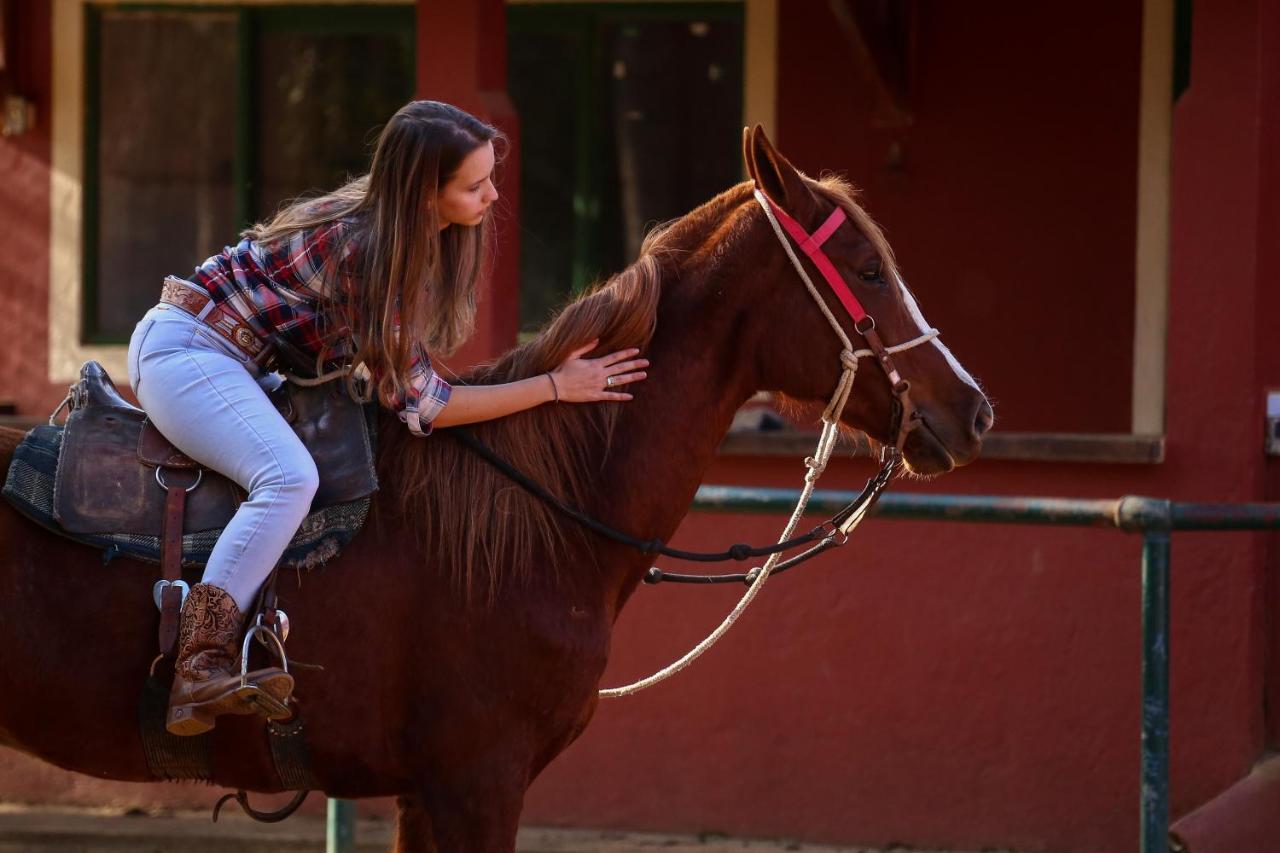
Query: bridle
[905, 418]
[832, 533]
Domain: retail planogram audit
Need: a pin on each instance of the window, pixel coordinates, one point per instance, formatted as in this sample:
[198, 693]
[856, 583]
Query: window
[630, 114]
[201, 120]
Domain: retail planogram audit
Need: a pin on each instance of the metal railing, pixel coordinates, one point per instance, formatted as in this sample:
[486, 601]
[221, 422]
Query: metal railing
[1154, 519]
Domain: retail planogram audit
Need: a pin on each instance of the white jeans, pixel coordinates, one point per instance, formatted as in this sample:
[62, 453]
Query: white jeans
[205, 396]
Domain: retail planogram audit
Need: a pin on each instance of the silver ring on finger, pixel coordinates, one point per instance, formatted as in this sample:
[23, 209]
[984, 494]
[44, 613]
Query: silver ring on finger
[608, 381]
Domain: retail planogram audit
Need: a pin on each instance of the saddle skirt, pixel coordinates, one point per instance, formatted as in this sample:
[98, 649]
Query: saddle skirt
[97, 479]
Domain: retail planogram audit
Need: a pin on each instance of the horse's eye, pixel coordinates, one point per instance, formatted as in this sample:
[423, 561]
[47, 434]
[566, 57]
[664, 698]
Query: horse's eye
[874, 275]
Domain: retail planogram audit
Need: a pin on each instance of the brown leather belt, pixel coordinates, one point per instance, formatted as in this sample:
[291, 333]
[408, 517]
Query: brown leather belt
[177, 292]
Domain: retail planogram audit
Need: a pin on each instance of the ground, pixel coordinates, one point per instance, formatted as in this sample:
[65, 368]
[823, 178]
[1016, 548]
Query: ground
[26, 829]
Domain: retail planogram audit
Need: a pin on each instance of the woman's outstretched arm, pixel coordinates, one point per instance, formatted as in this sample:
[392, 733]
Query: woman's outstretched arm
[577, 380]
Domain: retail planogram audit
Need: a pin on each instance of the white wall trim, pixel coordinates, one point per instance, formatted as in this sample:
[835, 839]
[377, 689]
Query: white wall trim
[1151, 267]
[66, 214]
[760, 66]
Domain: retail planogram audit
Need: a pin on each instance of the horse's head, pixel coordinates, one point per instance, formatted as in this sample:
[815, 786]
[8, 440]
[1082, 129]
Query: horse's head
[804, 361]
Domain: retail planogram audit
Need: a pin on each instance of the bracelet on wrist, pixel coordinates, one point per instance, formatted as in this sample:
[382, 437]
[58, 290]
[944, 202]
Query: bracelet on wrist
[555, 389]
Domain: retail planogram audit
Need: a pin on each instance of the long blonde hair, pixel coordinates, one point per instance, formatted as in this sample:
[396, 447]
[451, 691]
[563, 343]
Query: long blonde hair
[402, 261]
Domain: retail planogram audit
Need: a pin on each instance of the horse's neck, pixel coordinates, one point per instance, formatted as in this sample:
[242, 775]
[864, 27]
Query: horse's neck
[666, 437]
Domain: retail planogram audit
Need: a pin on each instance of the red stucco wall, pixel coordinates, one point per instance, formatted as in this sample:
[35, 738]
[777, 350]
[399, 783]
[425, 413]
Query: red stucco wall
[939, 684]
[1013, 207]
[24, 222]
[1268, 249]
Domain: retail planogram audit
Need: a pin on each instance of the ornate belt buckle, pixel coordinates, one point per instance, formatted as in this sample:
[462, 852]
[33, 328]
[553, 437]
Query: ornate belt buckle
[245, 339]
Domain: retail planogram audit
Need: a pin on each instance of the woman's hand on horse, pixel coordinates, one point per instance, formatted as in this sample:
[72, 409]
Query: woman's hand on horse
[586, 380]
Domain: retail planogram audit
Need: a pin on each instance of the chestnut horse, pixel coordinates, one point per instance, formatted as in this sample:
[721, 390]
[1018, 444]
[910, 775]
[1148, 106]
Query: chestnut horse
[464, 632]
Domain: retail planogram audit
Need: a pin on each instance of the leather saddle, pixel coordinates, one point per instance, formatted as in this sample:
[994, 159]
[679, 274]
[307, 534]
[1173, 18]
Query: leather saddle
[115, 466]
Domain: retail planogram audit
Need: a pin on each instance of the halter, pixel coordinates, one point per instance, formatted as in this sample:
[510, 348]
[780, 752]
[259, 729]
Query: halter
[906, 417]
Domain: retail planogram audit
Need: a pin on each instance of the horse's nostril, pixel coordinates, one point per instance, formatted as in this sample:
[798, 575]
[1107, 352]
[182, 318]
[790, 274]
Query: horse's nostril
[984, 420]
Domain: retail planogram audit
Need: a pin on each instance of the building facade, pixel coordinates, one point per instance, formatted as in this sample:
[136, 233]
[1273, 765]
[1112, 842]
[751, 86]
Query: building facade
[1085, 201]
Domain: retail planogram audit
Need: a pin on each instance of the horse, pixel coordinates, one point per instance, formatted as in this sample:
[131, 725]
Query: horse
[463, 633]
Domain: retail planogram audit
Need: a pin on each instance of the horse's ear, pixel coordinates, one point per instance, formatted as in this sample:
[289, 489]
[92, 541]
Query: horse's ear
[747, 135]
[773, 173]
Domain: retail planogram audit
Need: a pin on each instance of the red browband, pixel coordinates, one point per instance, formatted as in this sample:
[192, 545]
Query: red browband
[811, 245]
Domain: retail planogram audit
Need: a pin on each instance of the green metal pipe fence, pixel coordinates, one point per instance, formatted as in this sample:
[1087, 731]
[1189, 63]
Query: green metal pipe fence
[340, 836]
[1154, 519]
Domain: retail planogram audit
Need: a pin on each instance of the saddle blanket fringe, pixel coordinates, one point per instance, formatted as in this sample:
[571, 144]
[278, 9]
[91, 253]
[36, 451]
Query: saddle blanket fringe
[29, 487]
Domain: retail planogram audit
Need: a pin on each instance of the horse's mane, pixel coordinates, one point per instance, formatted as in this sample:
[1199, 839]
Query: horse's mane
[486, 529]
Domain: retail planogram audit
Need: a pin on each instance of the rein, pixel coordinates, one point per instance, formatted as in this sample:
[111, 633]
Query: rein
[830, 533]
[859, 507]
[739, 552]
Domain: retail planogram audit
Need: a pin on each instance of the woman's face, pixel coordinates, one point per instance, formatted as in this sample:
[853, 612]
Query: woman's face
[464, 199]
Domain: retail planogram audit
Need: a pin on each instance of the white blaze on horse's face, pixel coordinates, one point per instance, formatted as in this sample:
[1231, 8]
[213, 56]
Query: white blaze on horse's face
[921, 325]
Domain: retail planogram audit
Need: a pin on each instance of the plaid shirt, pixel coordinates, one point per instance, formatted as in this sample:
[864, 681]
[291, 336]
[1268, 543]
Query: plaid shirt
[276, 289]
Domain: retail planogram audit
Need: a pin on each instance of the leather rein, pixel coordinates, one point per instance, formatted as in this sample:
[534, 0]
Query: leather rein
[831, 533]
[841, 523]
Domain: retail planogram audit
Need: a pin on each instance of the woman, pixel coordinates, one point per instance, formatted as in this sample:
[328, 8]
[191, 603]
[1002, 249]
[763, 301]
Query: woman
[376, 275]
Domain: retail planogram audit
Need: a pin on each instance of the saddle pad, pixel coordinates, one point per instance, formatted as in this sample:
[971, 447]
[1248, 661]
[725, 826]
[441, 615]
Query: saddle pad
[29, 487]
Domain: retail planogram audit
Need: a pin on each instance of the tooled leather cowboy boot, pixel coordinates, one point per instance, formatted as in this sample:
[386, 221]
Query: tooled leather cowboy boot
[206, 679]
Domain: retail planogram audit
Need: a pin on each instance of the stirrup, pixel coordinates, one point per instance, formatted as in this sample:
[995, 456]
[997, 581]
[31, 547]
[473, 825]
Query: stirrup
[276, 644]
[260, 700]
